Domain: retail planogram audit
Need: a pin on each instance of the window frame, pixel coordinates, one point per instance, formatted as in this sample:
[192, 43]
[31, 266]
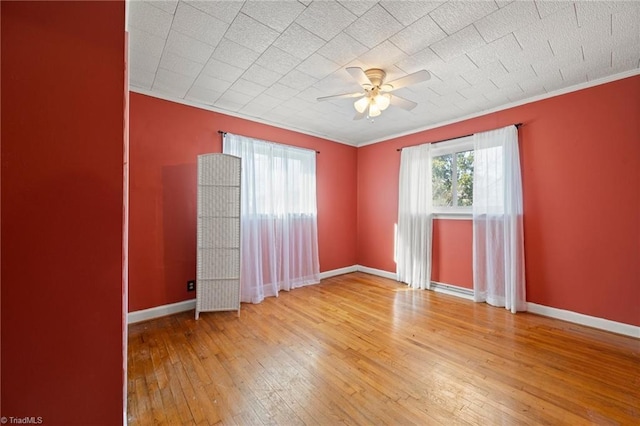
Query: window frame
[452, 147]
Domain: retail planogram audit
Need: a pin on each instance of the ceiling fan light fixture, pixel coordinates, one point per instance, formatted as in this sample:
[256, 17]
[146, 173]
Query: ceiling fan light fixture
[361, 104]
[382, 101]
[374, 110]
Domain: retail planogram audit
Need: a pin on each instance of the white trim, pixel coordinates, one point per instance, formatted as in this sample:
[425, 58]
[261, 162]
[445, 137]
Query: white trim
[553, 94]
[340, 271]
[582, 319]
[453, 216]
[547, 311]
[452, 290]
[160, 311]
[378, 272]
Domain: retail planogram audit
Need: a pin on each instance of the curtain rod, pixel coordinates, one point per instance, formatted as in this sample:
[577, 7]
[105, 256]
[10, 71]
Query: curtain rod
[222, 132]
[451, 139]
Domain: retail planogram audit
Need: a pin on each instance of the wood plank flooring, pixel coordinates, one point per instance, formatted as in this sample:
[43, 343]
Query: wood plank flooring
[363, 350]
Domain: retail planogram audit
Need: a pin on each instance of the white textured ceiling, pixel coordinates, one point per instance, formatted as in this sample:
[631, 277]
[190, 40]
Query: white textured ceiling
[268, 61]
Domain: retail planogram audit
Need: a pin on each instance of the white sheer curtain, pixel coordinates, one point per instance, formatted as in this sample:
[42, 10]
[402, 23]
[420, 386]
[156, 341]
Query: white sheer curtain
[413, 239]
[278, 217]
[498, 243]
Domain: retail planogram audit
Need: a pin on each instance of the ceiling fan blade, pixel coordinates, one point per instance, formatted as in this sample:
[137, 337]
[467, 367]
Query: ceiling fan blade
[359, 75]
[403, 103]
[344, 95]
[360, 115]
[408, 80]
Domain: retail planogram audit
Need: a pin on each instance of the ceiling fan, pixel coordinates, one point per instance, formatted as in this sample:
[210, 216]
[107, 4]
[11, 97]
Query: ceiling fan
[376, 95]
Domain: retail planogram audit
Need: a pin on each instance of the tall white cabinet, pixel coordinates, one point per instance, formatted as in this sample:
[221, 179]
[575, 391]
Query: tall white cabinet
[218, 230]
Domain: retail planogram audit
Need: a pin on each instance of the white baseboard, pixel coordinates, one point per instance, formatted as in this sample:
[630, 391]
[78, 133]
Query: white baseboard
[378, 272]
[340, 271]
[561, 314]
[187, 305]
[582, 319]
[452, 290]
[160, 311]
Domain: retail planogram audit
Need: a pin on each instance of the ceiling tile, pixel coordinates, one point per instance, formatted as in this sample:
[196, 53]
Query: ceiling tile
[531, 55]
[254, 109]
[512, 78]
[278, 60]
[455, 15]
[454, 67]
[625, 26]
[247, 87]
[144, 62]
[382, 56]
[298, 42]
[200, 94]
[232, 100]
[450, 87]
[317, 66]
[408, 12]
[266, 100]
[222, 70]
[168, 6]
[477, 90]
[589, 11]
[418, 35]
[342, 49]
[325, 19]
[588, 66]
[491, 52]
[141, 78]
[517, 14]
[546, 7]
[478, 75]
[198, 25]
[281, 92]
[145, 43]
[358, 7]
[298, 80]
[374, 27]
[172, 83]
[532, 47]
[465, 40]
[226, 11]
[250, 33]
[561, 22]
[274, 14]
[180, 65]
[424, 59]
[559, 60]
[261, 75]
[234, 54]
[149, 19]
[625, 56]
[212, 83]
[188, 47]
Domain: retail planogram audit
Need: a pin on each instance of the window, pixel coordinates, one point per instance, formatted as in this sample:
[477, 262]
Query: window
[452, 176]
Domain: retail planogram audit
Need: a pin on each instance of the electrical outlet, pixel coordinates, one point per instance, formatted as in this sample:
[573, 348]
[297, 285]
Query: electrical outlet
[191, 285]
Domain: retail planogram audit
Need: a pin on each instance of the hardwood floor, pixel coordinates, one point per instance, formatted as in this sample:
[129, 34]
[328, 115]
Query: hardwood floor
[359, 349]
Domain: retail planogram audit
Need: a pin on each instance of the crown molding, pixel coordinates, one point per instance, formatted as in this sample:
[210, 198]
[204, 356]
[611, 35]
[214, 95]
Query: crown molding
[537, 98]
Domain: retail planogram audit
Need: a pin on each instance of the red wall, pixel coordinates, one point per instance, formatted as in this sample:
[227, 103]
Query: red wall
[580, 156]
[62, 211]
[165, 140]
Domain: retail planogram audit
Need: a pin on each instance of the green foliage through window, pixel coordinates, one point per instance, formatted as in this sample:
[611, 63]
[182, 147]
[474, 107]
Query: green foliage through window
[452, 177]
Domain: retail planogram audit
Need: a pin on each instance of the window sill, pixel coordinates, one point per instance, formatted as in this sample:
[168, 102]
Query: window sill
[453, 215]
